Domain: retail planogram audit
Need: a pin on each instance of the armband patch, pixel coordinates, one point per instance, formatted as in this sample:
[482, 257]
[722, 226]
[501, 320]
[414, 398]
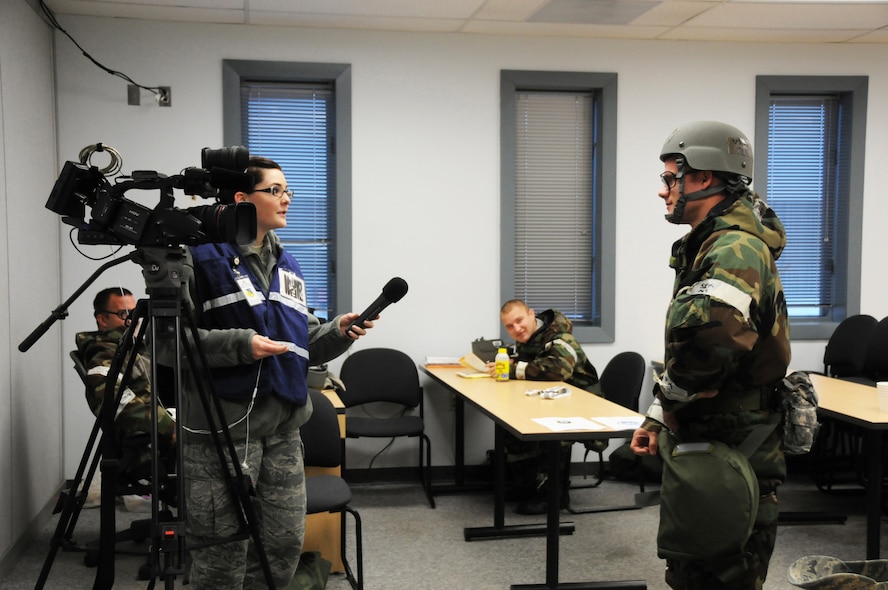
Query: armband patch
[724, 292]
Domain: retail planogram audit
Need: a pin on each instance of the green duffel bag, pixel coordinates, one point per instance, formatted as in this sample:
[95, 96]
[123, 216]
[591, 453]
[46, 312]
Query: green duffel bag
[708, 500]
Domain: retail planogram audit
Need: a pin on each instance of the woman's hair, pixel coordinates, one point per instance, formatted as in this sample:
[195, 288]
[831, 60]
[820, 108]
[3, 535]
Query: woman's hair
[256, 169]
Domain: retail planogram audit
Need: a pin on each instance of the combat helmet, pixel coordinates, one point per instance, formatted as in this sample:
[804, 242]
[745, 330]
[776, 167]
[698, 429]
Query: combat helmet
[712, 146]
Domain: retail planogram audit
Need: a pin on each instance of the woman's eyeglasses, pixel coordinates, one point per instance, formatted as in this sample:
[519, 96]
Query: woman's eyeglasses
[275, 191]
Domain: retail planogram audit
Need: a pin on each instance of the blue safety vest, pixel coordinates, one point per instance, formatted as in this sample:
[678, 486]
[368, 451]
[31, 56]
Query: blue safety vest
[227, 292]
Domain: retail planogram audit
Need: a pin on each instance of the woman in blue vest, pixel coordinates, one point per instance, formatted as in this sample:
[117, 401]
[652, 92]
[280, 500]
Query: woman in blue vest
[259, 338]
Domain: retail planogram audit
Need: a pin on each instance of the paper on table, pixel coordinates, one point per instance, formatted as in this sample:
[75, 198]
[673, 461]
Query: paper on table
[620, 422]
[442, 361]
[465, 375]
[562, 424]
[471, 361]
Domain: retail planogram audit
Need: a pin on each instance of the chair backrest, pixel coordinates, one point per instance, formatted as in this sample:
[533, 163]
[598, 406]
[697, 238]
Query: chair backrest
[320, 435]
[846, 351]
[622, 378]
[876, 361]
[78, 365]
[380, 375]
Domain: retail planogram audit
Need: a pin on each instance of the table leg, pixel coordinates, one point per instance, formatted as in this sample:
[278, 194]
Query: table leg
[499, 530]
[552, 524]
[459, 484]
[873, 492]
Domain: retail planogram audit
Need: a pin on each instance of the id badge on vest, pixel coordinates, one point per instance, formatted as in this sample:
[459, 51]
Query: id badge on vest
[246, 286]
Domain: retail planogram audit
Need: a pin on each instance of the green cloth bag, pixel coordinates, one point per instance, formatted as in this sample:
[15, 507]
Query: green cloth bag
[312, 572]
[708, 500]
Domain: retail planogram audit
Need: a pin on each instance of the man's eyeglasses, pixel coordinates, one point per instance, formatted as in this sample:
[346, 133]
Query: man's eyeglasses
[275, 191]
[123, 314]
[669, 179]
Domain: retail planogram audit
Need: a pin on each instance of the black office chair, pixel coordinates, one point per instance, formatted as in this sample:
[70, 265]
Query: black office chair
[386, 375]
[853, 352]
[875, 364]
[329, 493]
[846, 350]
[621, 382]
[131, 481]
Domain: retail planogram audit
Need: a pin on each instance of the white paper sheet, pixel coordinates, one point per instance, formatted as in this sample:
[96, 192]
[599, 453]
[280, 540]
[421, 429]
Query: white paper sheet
[561, 424]
[620, 422]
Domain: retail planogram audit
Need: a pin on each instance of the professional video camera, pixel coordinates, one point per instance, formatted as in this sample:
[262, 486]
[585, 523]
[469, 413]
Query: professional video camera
[117, 220]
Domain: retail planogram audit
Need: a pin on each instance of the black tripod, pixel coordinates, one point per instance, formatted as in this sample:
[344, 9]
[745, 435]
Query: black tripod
[162, 315]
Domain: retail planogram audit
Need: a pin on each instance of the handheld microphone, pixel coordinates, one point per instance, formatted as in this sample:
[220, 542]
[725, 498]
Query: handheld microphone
[393, 291]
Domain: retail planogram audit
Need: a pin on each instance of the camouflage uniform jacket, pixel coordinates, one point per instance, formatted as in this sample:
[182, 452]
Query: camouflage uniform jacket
[553, 354]
[727, 327]
[97, 350]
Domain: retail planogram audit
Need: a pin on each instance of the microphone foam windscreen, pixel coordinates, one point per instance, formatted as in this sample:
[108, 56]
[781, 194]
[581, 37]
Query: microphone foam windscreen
[395, 289]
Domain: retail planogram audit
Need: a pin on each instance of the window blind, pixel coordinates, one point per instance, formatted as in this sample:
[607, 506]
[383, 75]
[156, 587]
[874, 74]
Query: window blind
[804, 185]
[555, 238]
[290, 123]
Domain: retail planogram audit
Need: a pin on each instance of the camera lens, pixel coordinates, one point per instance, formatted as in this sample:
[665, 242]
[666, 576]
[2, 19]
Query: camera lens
[230, 158]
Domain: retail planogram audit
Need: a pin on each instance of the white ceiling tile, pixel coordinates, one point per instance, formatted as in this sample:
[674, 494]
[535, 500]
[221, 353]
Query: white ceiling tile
[148, 11]
[509, 10]
[375, 23]
[673, 13]
[762, 35]
[119, 6]
[793, 16]
[559, 30]
[394, 8]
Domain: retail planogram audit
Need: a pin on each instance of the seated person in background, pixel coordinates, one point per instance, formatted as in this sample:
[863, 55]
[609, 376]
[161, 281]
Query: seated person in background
[545, 350]
[112, 308]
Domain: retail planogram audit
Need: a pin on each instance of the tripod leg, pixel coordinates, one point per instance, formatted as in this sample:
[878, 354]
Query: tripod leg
[72, 502]
[239, 484]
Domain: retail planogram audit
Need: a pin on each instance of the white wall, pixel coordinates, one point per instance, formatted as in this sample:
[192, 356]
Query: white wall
[30, 396]
[426, 164]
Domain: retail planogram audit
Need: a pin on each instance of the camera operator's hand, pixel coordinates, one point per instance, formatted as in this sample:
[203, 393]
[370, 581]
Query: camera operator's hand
[263, 346]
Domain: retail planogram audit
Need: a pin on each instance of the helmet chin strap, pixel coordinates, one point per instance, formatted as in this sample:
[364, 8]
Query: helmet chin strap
[678, 210]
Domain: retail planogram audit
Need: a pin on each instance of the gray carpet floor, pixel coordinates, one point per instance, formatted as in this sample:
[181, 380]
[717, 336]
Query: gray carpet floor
[408, 545]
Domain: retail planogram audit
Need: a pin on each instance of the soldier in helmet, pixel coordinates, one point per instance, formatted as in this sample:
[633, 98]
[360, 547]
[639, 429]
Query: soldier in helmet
[727, 341]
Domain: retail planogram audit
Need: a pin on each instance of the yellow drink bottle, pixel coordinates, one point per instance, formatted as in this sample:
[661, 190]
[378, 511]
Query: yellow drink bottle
[501, 365]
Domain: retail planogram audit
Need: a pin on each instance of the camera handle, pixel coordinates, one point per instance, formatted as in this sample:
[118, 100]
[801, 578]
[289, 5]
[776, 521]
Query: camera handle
[61, 312]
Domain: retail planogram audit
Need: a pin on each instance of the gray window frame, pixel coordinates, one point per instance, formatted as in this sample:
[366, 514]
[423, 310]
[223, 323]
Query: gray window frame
[233, 71]
[605, 84]
[853, 90]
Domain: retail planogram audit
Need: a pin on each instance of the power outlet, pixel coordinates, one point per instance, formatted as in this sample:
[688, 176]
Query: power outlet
[164, 96]
[133, 95]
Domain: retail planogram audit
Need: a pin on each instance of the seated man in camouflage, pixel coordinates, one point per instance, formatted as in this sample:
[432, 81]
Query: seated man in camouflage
[112, 308]
[545, 350]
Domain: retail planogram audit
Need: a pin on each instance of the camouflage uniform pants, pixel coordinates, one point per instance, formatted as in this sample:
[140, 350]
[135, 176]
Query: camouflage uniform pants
[275, 465]
[696, 575]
